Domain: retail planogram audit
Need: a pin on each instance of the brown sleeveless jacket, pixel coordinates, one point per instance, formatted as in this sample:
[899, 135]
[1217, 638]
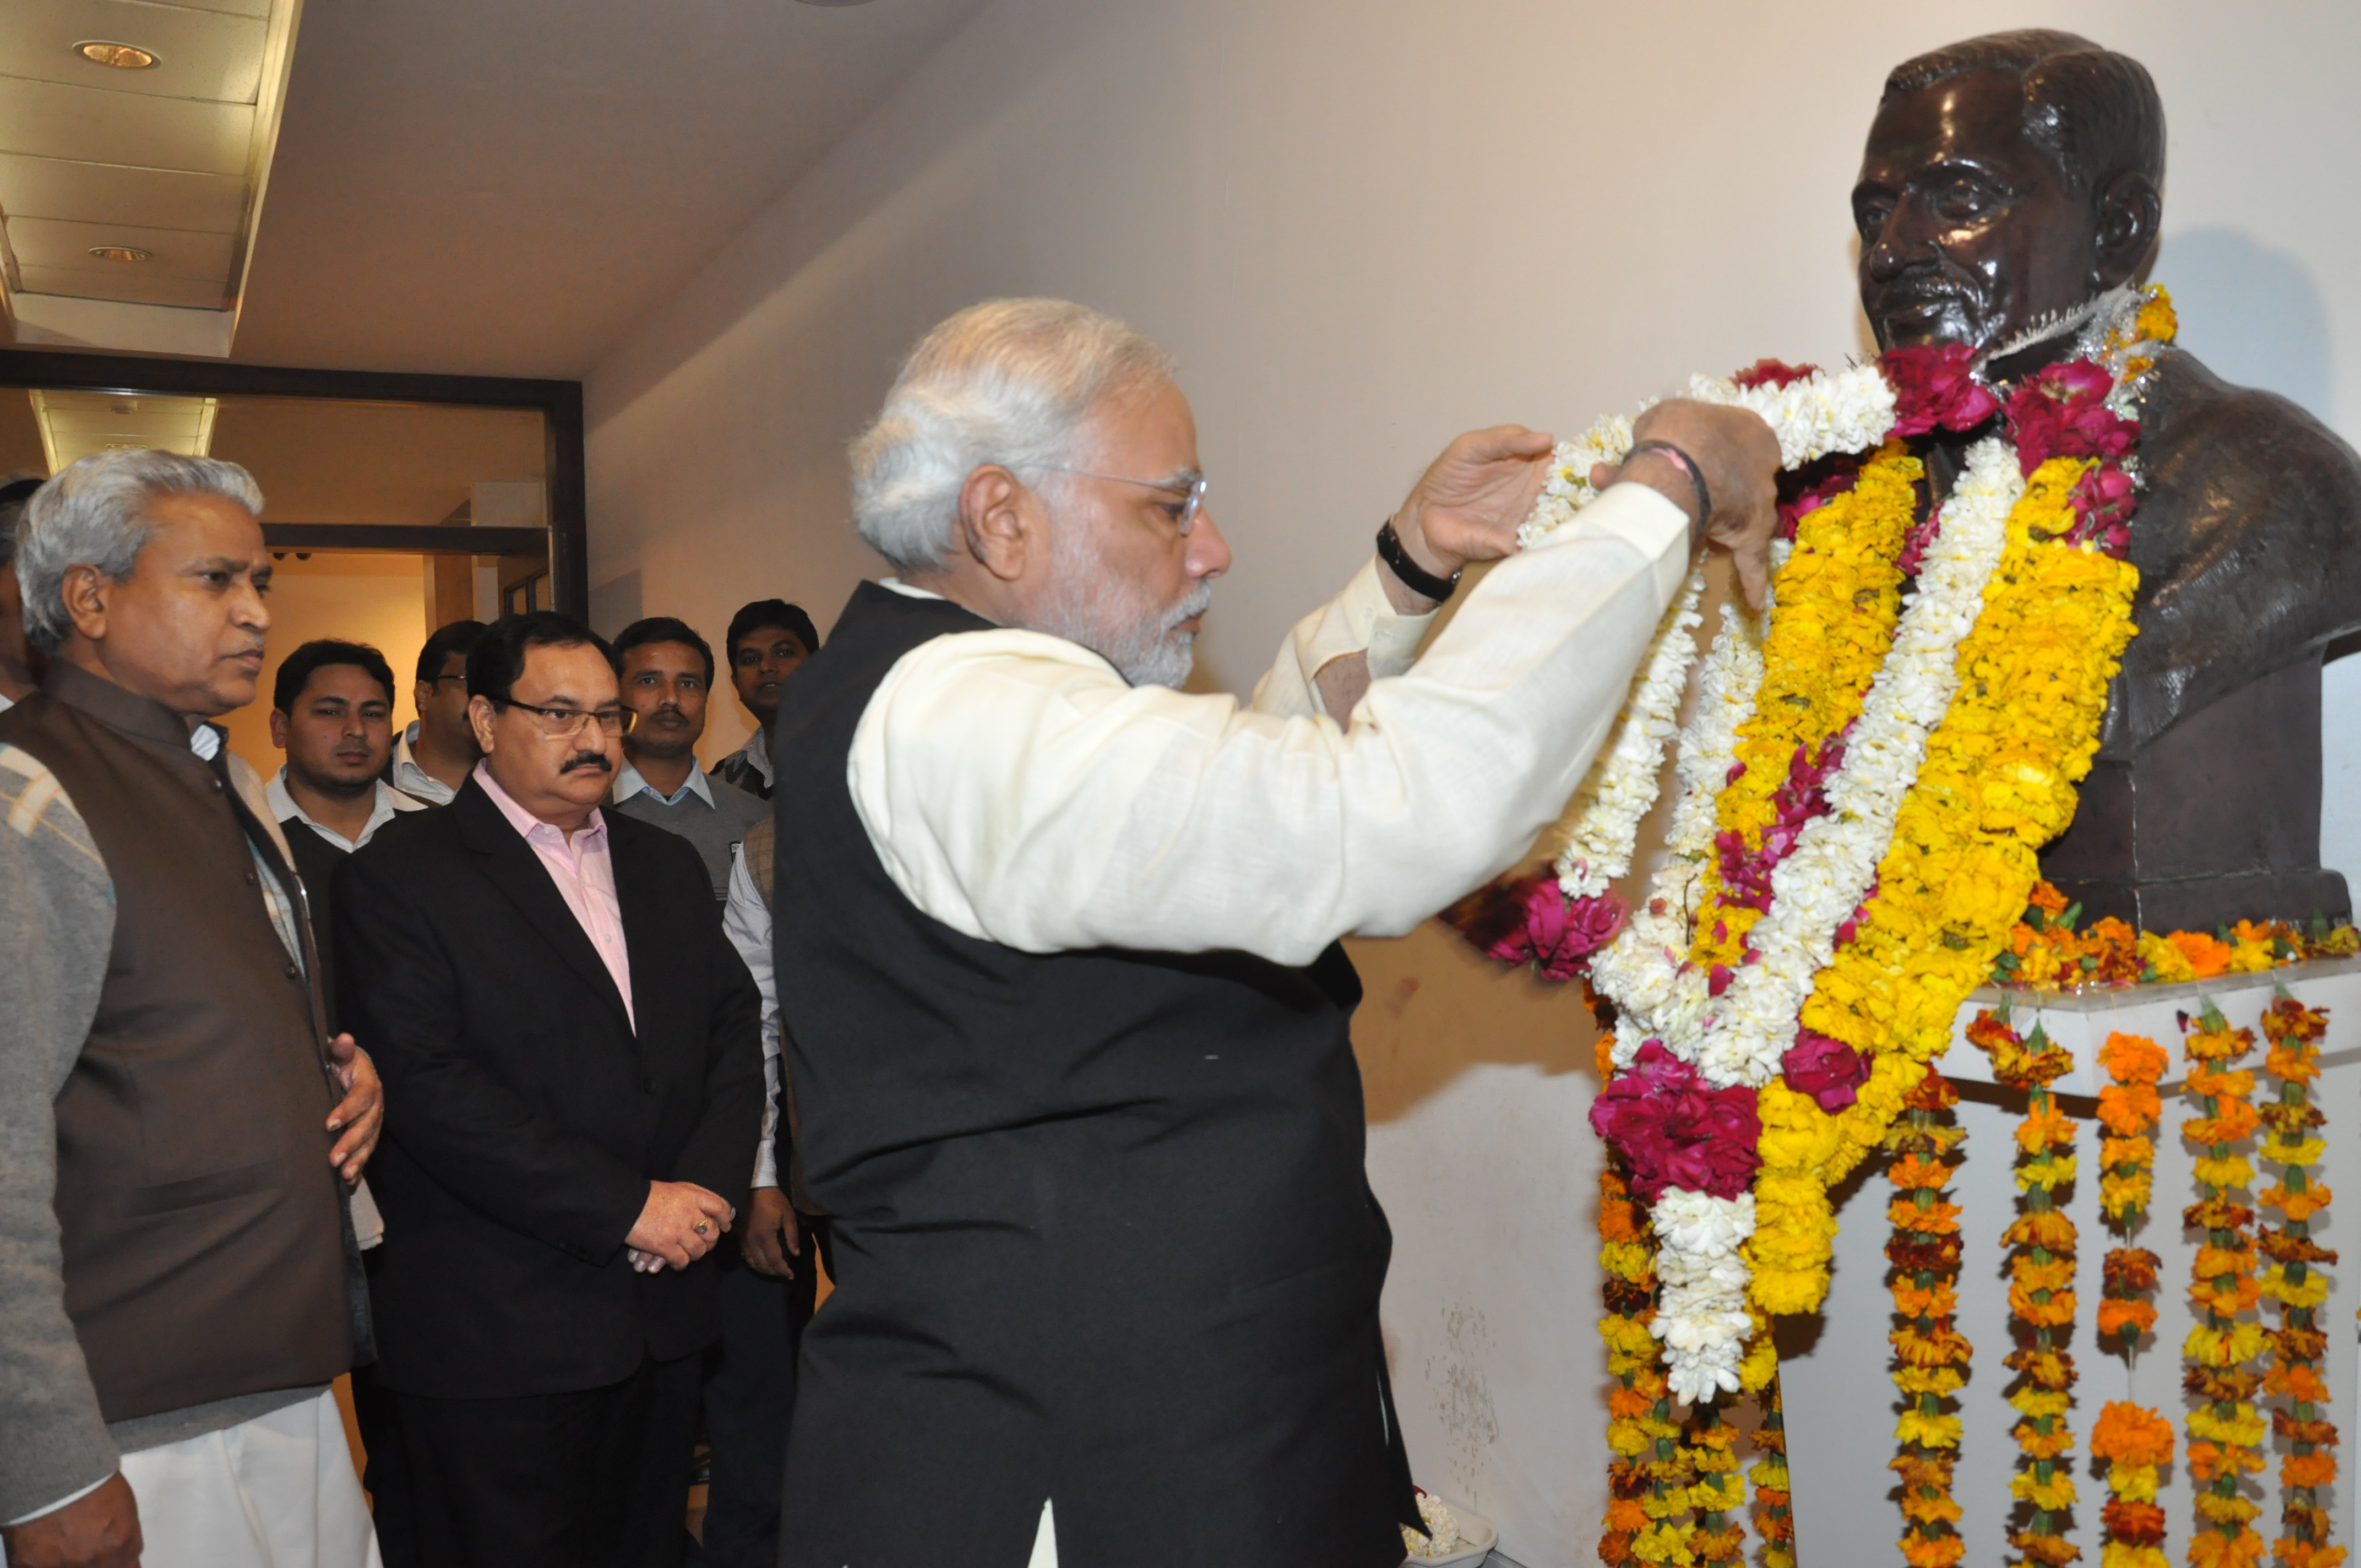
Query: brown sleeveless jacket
[201, 1224]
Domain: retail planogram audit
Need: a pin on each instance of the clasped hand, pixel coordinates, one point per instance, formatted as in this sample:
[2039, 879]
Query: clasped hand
[680, 1223]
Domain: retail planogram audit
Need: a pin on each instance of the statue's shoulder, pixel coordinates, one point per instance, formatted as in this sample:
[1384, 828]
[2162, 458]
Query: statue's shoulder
[2202, 436]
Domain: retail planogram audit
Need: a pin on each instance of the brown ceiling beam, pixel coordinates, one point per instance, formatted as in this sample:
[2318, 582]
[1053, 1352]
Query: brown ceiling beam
[431, 538]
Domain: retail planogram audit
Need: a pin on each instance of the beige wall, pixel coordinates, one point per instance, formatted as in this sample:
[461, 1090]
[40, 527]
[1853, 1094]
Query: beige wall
[1363, 228]
[372, 598]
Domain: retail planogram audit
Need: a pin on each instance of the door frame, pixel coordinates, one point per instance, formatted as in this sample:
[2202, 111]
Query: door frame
[559, 403]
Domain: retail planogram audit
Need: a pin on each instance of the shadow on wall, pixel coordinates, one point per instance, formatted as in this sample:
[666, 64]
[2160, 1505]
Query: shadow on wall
[615, 603]
[2254, 314]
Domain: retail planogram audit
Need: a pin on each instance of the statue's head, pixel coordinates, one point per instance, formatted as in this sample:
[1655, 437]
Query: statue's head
[2007, 180]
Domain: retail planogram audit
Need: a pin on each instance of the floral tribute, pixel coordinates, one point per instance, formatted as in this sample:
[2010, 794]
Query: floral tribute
[2225, 1434]
[2135, 1442]
[1774, 1515]
[2129, 1109]
[2040, 1292]
[2046, 952]
[2307, 1469]
[1930, 1355]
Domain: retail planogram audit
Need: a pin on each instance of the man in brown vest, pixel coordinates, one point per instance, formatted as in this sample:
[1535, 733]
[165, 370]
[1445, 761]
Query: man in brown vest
[177, 1137]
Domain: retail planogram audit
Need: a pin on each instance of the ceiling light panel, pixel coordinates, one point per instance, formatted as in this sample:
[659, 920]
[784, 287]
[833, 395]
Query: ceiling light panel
[172, 160]
[199, 54]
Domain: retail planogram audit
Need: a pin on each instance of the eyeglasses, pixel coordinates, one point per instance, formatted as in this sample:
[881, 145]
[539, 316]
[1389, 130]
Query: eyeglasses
[560, 723]
[1194, 490]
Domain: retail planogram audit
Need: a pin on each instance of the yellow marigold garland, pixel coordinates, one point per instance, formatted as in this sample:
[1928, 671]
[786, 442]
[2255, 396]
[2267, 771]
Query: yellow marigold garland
[2040, 1293]
[1930, 1353]
[1997, 784]
[1640, 1408]
[1839, 598]
[1774, 1515]
[2225, 1434]
[2134, 1441]
[2129, 1109]
[2308, 1470]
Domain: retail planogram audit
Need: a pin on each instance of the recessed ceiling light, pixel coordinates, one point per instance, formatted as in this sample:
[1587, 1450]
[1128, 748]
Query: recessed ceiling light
[121, 253]
[122, 56]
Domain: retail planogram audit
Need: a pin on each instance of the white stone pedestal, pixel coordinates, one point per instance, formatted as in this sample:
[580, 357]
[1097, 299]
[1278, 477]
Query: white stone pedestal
[1839, 1400]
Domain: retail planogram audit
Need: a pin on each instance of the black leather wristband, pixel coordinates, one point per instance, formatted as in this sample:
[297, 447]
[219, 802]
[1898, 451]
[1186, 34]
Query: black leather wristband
[1415, 577]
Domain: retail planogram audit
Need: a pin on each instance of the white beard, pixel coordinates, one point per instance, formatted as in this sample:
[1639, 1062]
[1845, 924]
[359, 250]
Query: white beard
[1108, 614]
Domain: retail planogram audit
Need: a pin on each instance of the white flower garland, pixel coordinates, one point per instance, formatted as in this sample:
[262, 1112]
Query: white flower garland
[1701, 1314]
[1819, 884]
[1622, 786]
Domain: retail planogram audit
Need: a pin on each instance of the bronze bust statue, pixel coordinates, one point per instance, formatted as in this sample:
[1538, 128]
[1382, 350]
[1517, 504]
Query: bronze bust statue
[2009, 182]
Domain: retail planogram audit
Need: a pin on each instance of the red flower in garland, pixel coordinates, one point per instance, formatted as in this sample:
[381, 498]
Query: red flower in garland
[1530, 920]
[1674, 1131]
[1934, 384]
[1773, 373]
[2062, 411]
[1828, 1071]
[2103, 500]
[1842, 472]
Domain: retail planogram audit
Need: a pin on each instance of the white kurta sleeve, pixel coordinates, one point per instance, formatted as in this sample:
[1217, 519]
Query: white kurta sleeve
[1017, 790]
[1360, 619]
[747, 921]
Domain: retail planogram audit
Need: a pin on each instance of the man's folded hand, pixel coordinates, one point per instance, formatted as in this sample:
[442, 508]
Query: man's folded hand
[680, 1223]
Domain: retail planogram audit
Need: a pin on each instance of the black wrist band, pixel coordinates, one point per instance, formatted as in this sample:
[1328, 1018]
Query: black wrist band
[1687, 465]
[1415, 577]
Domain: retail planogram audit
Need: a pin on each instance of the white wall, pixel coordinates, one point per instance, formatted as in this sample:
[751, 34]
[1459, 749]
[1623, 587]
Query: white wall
[1363, 228]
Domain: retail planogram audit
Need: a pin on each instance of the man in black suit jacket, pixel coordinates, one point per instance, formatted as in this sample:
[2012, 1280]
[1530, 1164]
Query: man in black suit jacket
[570, 1047]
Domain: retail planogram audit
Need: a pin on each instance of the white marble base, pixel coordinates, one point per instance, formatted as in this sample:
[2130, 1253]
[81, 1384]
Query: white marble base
[1840, 1398]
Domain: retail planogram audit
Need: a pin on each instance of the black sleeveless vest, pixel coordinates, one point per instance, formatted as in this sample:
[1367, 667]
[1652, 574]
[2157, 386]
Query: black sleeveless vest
[1101, 1221]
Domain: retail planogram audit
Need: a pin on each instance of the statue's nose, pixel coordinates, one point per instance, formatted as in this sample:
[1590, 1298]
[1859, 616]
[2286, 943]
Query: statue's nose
[1904, 242]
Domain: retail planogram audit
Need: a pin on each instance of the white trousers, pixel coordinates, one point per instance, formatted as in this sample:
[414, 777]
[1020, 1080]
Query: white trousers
[276, 1492]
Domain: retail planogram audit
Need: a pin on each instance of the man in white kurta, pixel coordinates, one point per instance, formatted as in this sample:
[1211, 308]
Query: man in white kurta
[1056, 948]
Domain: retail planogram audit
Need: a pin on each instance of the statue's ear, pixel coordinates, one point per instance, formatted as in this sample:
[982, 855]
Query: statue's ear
[2130, 211]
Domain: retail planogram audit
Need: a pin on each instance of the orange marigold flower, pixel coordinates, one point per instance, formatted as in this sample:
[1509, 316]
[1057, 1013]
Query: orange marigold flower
[2129, 1111]
[2055, 1274]
[2293, 1554]
[2297, 1206]
[2116, 1315]
[2208, 956]
[2051, 1229]
[2208, 1549]
[1626, 1514]
[2047, 899]
[2050, 1551]
[2297, 1380]
[2126, 1434]
[2308, 1470]
[2056, 1312]
[2132, 1059]
[1911, 1171]
[1936, 1219]
[1933, 1550]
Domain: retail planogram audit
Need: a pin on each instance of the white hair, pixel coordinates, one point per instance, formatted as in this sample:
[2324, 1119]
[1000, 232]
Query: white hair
[1008, 381]
[94, 512]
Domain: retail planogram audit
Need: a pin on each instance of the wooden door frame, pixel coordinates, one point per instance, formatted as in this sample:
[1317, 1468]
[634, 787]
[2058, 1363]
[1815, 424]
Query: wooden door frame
[558, 402]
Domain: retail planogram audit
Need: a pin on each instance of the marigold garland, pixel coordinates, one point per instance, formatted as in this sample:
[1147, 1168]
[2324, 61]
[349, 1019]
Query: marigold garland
[2225, 1434]
[2134, 1441]
[2046, 952]
[2129, 1109]
[2040, 1293]
[1930, 1355]
[1774, 1495]
[1639, 1410]
[2308, 1471]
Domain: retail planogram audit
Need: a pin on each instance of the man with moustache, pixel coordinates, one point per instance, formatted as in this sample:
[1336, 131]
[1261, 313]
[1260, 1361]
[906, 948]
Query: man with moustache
[767, 640]
[178, 1273]
[667, 674]
[2010, 187]
[1057, 953]
[571, 1052]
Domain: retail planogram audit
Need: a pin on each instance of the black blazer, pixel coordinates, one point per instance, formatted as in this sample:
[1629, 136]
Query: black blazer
[525, 1117]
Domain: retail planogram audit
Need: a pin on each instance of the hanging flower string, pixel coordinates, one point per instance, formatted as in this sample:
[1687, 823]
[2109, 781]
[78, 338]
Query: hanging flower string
[1930, 1355]
[2040, 1292]
[1639, 1410]
[2129, 1109]
[2225, 1435]
[1774, 1512]
[2134, 1441]
[2308, 1470]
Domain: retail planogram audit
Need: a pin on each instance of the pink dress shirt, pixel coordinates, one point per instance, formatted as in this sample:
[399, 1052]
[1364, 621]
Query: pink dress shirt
[583, 872]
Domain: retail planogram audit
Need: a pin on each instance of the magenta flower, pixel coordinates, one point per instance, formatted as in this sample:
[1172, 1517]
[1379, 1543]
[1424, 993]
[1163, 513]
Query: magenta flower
[1674, 1131]
[1830, 1071]
[2062, 411]
[1935, 385]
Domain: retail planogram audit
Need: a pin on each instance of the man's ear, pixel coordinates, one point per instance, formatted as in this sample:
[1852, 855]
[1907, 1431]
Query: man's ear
[996, 524]
[84, 590]
[279, 729]
[479, 719]
[2130, 213]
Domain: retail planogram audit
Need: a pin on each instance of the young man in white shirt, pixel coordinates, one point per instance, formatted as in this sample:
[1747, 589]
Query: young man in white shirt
[332, 713]
[435, 753]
